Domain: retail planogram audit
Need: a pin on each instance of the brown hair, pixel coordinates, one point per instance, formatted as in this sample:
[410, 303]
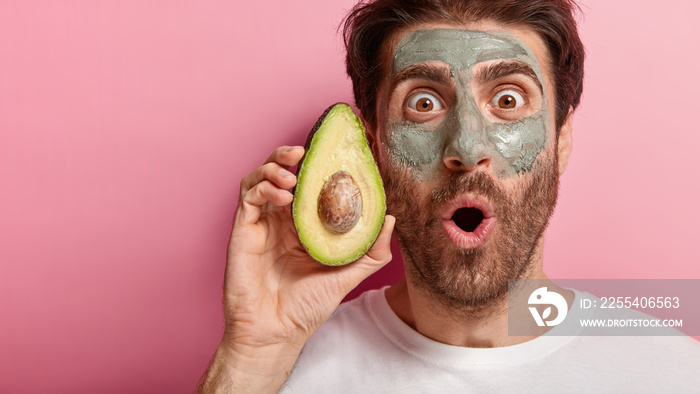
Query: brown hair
[370, 24]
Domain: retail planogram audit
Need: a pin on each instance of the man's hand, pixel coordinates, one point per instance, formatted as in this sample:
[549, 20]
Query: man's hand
[275, 295]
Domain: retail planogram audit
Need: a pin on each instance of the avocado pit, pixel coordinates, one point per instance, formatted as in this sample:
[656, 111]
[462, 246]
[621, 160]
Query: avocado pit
[340, 203]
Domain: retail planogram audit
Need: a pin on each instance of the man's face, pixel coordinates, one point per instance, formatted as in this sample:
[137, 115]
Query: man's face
[467, 152]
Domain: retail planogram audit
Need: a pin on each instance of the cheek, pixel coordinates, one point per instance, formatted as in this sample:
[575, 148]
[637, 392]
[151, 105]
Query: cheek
[413, 147]
[519, 143]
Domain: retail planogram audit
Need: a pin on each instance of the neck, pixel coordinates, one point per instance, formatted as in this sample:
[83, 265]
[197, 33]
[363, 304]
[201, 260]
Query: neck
[487, 327]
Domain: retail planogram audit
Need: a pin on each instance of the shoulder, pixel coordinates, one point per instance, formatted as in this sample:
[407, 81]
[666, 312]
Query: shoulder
[645, 362]
[349, 318]
[632, 355]
[349, 344]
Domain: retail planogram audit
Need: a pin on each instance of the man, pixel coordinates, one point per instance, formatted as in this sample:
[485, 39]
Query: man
[468, 107]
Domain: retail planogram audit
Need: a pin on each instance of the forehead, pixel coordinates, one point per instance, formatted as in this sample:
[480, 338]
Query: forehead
[461, 49]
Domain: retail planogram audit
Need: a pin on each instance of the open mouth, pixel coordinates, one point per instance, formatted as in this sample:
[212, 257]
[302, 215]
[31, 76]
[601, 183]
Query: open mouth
[468, 221]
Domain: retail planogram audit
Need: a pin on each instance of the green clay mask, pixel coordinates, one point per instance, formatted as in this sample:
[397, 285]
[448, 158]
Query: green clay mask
[466, 132]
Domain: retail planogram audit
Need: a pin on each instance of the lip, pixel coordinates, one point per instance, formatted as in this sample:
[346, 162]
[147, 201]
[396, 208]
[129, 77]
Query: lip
[476, 238]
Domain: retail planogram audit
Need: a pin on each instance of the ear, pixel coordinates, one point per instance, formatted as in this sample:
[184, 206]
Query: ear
[566, 143]
[371, 136]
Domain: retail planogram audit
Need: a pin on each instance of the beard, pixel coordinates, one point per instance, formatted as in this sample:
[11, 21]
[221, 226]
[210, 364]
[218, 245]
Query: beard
[471, 280]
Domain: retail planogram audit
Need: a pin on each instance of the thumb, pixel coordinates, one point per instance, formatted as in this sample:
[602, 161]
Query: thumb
[377, 257]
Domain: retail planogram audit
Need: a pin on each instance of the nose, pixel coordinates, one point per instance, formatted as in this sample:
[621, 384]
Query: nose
[467, 148]
[454, 163]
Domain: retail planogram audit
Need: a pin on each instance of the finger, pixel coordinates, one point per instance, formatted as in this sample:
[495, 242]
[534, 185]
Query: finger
[286, 156]
[281, 159]
[380, 252]
[265, 191]
[377, 257]
[272, 172]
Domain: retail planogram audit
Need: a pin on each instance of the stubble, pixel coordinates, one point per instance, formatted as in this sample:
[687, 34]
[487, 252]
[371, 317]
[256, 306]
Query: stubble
[471, 280]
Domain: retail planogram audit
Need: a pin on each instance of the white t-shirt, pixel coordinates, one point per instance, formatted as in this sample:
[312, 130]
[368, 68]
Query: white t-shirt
[365, 348]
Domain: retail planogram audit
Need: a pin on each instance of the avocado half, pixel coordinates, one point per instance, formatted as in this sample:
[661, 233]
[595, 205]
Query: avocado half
[338, 166]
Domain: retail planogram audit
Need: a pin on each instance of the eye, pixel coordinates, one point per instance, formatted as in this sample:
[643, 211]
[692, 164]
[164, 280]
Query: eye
[424, 102]
[508, 99]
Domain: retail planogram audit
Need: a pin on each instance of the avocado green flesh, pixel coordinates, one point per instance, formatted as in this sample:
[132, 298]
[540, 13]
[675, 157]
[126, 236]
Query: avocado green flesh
[338, 144]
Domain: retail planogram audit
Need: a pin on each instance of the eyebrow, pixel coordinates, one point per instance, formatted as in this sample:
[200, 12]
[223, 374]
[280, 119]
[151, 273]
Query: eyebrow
[440, 75]
[495, 71]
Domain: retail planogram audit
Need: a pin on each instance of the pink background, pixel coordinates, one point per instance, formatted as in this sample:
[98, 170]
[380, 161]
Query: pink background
[126, 126]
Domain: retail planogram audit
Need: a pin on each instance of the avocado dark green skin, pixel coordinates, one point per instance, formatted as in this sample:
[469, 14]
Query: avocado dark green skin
[310, 138]
[314, 129]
